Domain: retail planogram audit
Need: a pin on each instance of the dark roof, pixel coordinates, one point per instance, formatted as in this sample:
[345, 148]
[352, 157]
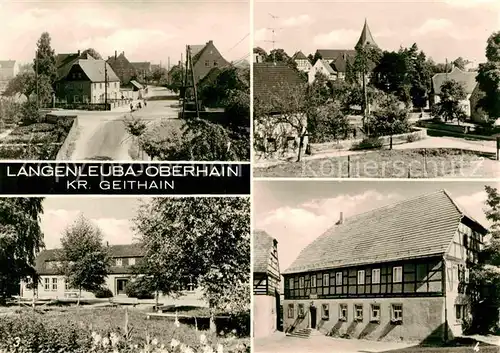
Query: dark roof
[262, 246]
[7, 64]
[94, 69]
[268, 76]
[142, 66]
[466, 78]
[340, 64]
[136, 84]
[299, 56]
[64, 62]
[419, 227]
[332, 54]
[366, 38]
[116, 251]
[195, 49]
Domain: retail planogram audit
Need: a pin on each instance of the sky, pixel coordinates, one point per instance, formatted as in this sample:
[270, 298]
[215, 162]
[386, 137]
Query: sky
[113, 215]
[297, 212]
[443, 29]
[147, 30]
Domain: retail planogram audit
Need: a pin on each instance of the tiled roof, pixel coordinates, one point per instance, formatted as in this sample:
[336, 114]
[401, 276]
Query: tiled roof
[262, 247]
[417, 227]
[7, 64]
[116, 251]
[268, 76]
[332, 54]
[195, 49]
[64, 62]
[467, 79]
[299, 56]
[142, 66]
[366, 37]
[94, 69]
[327, 66]
[340, 64]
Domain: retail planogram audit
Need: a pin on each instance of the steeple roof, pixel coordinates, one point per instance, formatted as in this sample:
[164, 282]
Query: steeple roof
[366, 38]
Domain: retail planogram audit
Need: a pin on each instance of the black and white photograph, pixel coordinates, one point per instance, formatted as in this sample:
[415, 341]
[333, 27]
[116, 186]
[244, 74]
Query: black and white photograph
[125, 80]
[125, 274]
[376, 89]
[367, 266]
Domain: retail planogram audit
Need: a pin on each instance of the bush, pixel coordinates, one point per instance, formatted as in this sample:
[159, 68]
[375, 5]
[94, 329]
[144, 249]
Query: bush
[369, 143]
[412, 138]
[103, 293]
[37, 127]
[135, 289]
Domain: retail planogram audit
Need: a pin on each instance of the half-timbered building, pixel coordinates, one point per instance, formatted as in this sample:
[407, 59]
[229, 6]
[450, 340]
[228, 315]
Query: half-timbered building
[396, 272]
[266, 284]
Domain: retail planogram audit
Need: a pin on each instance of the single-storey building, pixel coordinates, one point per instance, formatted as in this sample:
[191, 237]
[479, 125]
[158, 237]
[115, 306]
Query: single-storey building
[392, 273]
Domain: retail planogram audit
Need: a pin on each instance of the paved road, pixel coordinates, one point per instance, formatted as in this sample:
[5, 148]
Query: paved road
[103, 134]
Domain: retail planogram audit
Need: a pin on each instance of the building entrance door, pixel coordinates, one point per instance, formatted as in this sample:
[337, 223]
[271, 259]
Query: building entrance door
[313, 317]
[121, 284]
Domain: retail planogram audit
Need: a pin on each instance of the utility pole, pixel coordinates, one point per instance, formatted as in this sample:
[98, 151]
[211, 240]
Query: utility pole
[184, 85]
[105, 85]
[194, 83]
[273, 36]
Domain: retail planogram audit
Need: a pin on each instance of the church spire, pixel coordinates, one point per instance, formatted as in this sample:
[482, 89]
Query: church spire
[366, 38]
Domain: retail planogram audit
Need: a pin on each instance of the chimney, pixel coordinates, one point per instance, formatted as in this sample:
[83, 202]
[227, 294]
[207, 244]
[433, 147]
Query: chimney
[341, 219]
[123, 53]
[107, 243]
[115, 54]
[78, 52]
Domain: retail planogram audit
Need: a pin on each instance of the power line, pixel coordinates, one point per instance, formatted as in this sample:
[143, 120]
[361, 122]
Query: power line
[241, 40]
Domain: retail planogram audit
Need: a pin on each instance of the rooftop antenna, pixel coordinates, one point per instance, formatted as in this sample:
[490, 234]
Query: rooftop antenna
[273, 32]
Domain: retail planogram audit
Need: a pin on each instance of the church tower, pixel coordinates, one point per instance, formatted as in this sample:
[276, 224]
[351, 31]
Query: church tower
[366, 38]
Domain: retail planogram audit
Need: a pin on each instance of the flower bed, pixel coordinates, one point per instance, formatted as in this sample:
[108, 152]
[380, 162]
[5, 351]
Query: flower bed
[105, 331]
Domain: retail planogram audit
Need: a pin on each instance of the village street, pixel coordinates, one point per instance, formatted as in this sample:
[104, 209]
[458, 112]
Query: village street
[102, 134]
[279, 343]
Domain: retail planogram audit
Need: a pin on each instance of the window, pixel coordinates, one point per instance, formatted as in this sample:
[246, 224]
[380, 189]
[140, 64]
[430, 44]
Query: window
[376, 275]
[291, 311]
[207, 63]
[47, 284]
[338, 278]
[85, 99]
[301, 282]
[313, 281]
[325, 311]
[216, 63]
[76, 99]
[460, 312]
[397, 274]
[100, 85]
[397, 312]
[361, 277]
[301, 310]
[116, 84]
[131, 261]
[358, 312]
[326, 280]
[54, 283]
[375, 312]
[343, 312]
[118, 262]
[290, 280]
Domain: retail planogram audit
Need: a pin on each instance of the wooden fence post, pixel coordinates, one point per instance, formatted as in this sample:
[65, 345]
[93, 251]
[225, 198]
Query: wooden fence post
[425, 162]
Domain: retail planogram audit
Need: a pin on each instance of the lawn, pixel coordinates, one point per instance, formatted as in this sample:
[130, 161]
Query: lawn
[413, 163]
[79, 323]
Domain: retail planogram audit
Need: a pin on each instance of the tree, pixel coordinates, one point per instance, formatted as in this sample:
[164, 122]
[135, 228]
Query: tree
[21, 239]
[391, 75]
[205, 240]
[85, 260]
[485, 275]
[45, 61]
[389, 118]
[328, 121]
[278, 55]
[488, 78]
[261, 52]
[23, 83]
[93, 53]
[290, 102]
[461, 63]
[176, 78]
[448, 107]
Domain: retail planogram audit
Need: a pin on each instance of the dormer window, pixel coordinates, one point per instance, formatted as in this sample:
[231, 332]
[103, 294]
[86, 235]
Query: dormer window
[119, 262]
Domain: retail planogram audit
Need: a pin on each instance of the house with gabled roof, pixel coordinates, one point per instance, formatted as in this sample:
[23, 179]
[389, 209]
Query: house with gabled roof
[321, 67]
[205, 58]
[466, 78]
[303, 63]
[8, 69]
[266, 285]
[53, 285]
[272, 134]
[123, 68]
[85, 81]
[395, 272]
